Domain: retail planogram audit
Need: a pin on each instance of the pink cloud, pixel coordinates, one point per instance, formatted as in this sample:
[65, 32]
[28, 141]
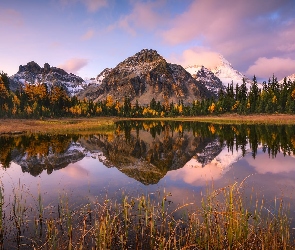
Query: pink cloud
[11, 17]
[218, 20]
[288, 36]
[91, 5]
[94, 5]
[198, 56]
[75, 171]
[266, 67]
[263, 164]
[242, 31]
[74, 65]
[88, 35]
[144, 15]
[197, 176]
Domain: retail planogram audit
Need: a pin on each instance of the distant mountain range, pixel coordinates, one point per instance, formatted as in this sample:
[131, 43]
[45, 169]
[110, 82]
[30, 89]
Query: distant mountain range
[32, 73]
[141, 77]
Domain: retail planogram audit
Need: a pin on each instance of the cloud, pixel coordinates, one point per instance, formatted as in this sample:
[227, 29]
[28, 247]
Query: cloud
[198, 56]
[281, 164]
[75, 171]
[10, 17]
[144, 15]
[197, 176]
[221, 20]
[88, 35]
[74, 65]
[91, 5]
[242, 31]
[266, 67]
[94, 5]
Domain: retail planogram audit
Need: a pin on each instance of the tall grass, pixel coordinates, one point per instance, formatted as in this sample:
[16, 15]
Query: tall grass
[224, 219]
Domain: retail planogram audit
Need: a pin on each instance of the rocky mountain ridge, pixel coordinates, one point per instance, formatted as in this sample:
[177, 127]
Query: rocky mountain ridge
[32, 73]
[144, 76]
[224, 73]
[140, 77]
[227, 74]
[207, 78]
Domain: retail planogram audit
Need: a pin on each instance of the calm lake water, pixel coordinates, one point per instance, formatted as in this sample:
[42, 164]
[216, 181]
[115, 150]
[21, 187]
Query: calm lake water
[181, 158]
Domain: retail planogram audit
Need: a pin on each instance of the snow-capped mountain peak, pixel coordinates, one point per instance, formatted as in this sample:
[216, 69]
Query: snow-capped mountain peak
[224, 72]
[289, 78]
[193, 69]
[206, 77]
[227, 74]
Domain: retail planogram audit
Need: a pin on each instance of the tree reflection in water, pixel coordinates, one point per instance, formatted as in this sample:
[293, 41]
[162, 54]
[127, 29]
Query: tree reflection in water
[145, 150]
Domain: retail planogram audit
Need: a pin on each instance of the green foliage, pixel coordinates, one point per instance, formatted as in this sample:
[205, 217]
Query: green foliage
[35, 101]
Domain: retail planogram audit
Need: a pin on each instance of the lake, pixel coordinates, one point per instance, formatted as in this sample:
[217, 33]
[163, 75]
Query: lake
[148, 157]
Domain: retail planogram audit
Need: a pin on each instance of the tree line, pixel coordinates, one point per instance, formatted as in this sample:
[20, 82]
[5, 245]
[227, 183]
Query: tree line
[35, 101]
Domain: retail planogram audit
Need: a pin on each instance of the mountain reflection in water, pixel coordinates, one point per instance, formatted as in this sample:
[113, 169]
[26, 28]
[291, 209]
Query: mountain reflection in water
[146, 151]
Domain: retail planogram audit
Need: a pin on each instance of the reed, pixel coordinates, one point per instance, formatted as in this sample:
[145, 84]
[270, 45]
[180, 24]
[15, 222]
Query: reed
[223, 220]
[1, 217]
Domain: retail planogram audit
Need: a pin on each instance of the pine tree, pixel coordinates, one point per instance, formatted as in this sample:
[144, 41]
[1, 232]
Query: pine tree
[4, 98]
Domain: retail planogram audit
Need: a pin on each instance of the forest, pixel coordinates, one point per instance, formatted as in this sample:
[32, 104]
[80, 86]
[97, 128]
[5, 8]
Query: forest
[38, 101]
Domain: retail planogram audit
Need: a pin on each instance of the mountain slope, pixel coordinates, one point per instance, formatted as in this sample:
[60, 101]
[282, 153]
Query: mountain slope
[224, 72]
[32, 73]
[207, 78]
[289, 78]
[227, 74]
[144, 76]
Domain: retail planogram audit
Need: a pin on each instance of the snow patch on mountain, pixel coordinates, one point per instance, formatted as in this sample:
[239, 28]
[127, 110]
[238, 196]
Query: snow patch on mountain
[227, 74]
[206, 77]
[102, 75]
[224, 72]
[289, 78]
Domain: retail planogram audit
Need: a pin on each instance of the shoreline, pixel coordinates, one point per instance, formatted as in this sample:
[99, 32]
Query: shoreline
[271, 119]
[55, 126]
[10, 126]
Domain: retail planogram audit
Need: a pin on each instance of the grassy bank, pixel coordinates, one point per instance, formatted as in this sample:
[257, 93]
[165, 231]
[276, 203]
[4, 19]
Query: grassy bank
[223, 220]
[105, 124]
[63, 125]
[274, 119]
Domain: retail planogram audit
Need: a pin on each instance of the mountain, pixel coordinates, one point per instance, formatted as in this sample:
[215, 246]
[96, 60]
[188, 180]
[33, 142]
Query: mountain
[144, 76]
[102, 75]
[289, 78]
[227, 74]
[146, 157]
[223, 71]
[207, 78]
[32, 73]
[36, 164]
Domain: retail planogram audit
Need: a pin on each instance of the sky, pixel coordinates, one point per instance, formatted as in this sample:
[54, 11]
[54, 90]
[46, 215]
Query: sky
[86, 36]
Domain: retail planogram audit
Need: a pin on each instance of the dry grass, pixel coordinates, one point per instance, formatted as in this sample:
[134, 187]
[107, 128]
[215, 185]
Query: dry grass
[278, 119]
[222, 221]
[64, 125]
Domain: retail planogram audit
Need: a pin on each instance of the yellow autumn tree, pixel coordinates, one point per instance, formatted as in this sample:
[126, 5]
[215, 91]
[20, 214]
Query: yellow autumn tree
[109, 101]
[4, 94]
[212, 107]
